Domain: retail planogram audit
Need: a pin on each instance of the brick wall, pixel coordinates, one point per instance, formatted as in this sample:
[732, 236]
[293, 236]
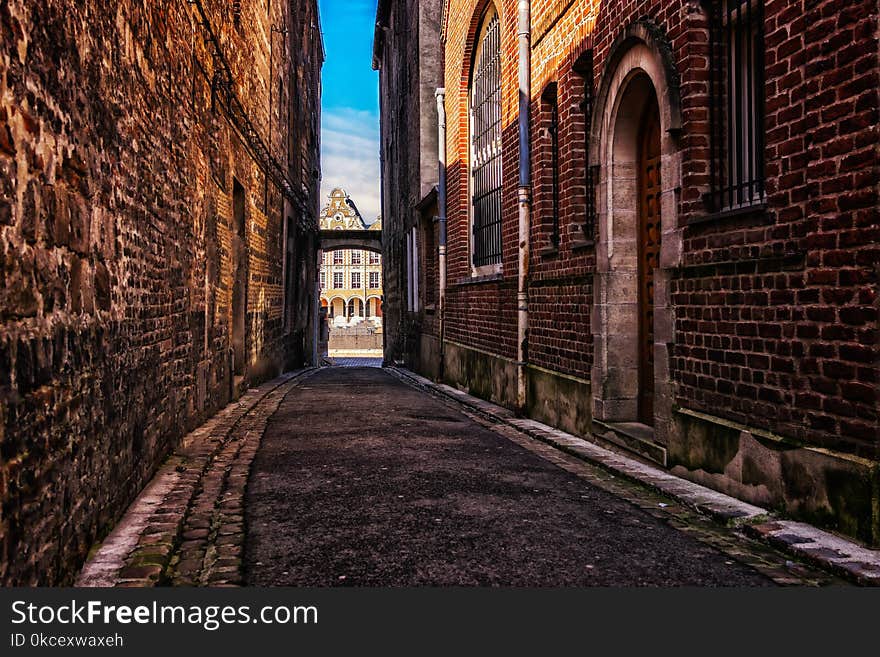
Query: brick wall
[775, 314]
[115, 249]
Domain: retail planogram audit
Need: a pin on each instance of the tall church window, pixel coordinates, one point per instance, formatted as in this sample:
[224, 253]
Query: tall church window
[485, 137]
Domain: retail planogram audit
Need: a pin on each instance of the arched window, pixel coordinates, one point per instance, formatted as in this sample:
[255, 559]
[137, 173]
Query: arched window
[485, 141]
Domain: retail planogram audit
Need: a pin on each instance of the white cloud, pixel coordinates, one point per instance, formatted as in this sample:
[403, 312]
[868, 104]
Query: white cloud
[350, 158]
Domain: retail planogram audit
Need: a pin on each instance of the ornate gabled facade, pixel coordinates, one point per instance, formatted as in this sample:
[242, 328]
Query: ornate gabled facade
[341, 213]
[351, 279]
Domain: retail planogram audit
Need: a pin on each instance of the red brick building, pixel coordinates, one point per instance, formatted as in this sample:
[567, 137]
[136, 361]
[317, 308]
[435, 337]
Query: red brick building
[701, 235]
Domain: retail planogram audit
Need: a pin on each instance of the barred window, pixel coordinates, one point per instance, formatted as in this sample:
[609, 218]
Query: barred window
[584, 68]
[551, 101]
[485, 134]
[737, 90]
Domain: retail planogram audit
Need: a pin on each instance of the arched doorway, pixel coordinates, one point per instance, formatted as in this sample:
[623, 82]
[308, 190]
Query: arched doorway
[634, 140]
[337, 307]
[374, 308]
[355, 307]
[632, 232]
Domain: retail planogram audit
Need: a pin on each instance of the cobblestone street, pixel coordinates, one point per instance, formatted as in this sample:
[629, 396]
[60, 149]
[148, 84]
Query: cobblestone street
[363, 480]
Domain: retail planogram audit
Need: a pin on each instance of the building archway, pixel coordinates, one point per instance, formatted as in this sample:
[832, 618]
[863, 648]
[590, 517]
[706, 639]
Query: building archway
[374, 307]
[355, 307]
[337, 307]
[635, 130]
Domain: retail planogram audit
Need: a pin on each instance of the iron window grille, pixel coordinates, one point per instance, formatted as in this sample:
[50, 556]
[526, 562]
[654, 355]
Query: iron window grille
[552, 101]
[486, 178]
[737, 108]
[584, 68]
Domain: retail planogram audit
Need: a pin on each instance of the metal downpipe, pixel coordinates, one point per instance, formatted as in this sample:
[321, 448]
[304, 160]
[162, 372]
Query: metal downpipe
[524, 195]
[440, 94]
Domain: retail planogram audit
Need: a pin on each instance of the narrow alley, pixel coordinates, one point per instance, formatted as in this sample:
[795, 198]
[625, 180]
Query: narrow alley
[454, 293]
[362, 480]
[355, 476]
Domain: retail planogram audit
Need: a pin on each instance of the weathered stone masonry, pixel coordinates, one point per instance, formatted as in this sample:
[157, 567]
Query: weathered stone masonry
[118, 236]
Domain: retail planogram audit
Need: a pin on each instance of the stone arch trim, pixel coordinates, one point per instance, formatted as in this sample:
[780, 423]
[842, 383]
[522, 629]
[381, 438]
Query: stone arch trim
[479, 11]
[664, 75]
[641, 53]
[481, 8]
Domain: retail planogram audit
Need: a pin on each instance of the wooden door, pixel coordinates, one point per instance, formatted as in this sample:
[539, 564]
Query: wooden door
[649, 255]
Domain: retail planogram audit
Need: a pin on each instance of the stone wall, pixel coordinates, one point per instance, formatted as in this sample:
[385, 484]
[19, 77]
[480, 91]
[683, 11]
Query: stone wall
[355, 338]
[120, 244]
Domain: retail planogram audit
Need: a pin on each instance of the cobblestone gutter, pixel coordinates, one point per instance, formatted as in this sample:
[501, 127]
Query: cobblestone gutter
[187, 527]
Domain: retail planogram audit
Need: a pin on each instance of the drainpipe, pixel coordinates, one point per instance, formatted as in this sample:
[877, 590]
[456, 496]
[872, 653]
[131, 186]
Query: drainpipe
[441, 208]
[525, 201]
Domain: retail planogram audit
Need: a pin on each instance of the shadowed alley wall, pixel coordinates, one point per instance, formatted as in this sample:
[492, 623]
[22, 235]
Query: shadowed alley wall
[134, 214]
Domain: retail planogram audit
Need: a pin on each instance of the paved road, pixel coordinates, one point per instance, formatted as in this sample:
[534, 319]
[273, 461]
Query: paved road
[362, 480]
[356, 361]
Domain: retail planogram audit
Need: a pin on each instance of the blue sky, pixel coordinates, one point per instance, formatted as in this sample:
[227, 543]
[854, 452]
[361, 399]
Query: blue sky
[350, 113]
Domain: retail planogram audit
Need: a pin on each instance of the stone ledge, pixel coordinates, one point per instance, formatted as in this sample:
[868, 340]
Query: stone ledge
[819, 547]
[826, 550]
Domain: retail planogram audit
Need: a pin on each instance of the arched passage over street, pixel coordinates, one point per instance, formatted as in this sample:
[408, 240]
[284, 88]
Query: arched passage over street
[339, 240]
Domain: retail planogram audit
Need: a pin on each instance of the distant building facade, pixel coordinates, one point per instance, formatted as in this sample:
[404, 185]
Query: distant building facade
[158, 244]
[697, 280]
[351, 279]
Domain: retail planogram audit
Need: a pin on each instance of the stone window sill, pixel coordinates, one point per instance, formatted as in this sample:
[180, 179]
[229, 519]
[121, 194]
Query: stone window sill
[477, 280]
[582, 244]
[756, 211]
